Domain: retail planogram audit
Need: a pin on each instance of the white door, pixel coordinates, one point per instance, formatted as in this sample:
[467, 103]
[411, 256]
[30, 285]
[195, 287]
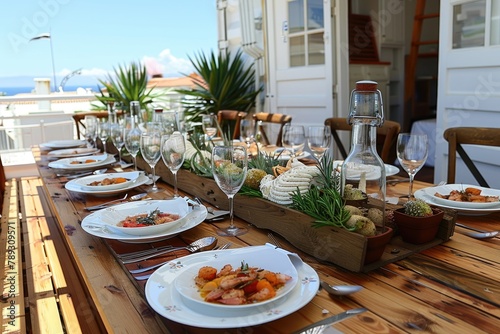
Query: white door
[469, 82]
[301, 59]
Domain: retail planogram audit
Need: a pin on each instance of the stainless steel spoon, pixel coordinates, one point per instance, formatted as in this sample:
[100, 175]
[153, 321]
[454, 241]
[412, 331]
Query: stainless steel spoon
[340, 290]
[479, 234]
[79, 174]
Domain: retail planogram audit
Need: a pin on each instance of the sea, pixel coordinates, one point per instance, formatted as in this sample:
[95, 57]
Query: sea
[9, 91]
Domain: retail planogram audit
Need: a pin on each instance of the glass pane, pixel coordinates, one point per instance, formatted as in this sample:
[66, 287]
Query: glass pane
[495, 23]
[315, 14]
[316, 49]
[297, 51]
[469, 24]
[296, 15]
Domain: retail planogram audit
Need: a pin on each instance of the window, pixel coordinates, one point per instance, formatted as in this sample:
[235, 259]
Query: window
[469, 24]
[306, 29]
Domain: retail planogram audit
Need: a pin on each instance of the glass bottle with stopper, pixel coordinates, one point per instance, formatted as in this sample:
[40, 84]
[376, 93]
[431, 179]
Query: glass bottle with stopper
[363, 173]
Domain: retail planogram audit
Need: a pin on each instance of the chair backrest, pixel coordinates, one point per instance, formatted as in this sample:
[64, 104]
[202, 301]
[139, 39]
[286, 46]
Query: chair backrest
[459, 136]
[387, 135]
[281, 119]
[230, 120]
[79, 118]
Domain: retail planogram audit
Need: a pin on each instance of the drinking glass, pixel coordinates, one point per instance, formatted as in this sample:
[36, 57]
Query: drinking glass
[247, 131]
[412, 150]
[117, 134]
[293, 139]
[173, 149]
[150, 150]
[132, 139]
[318, 140]
[91, 129]
[209, 124]
[229, 167]
[103, 133]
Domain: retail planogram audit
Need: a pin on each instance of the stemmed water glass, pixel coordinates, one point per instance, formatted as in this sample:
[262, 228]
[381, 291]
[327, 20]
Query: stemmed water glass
[103, 128]
[412, 150]
[132, 135]
[150, 150]
[118, 138]
[173, 149]
[247, 131]
[91, 129]
[293, 139]
[229, 167]
[209, 125]
[318, 140]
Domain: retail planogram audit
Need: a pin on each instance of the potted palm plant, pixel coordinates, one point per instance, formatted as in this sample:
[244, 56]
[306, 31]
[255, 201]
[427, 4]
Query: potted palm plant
[226, 84]
[128, 83]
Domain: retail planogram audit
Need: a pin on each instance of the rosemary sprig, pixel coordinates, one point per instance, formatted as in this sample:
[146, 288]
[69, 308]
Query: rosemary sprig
[325, 205]
[150, 218]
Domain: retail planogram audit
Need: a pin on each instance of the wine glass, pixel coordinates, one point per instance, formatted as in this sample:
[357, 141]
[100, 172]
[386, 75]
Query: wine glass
[209, 124]
[117, 134]
[293, 139]
[132, 139]
[173, 149]
[318, 140]
[247, 131]
[103, 128]
[412, 150]
[91, 129]
[150, 150]
[229, 167]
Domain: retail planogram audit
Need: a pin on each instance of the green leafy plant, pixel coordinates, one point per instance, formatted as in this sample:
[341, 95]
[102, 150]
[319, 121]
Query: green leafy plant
[128, 83]
[226, 83]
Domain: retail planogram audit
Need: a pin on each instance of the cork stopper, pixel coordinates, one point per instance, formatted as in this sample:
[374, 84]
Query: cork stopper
[366, 86]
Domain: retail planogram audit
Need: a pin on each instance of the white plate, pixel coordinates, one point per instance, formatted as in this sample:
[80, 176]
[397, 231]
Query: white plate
[192, 219]
[71, 152]
[166, 300]
[389, 169]
[267, 259]
[64, 143]
[422, 194]
[74, 186]
[95, 160]
[63, 164]
[447, 188]
[84, 182]
[111, 216]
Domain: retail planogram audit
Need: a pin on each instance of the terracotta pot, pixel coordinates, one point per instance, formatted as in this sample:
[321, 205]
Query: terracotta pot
[376, 245]
[418, 230]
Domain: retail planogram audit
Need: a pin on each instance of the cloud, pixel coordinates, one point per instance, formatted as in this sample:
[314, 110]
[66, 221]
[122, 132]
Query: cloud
[173, 66]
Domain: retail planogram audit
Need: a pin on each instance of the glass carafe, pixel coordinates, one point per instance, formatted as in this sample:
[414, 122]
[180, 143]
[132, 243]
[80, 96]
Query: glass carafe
[363, 171]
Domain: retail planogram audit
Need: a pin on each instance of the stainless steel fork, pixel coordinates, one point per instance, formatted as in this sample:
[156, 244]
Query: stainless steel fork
[144, 277]
[274, 240]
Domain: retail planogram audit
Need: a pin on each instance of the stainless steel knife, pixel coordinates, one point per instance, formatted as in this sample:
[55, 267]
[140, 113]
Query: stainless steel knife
[320, 326]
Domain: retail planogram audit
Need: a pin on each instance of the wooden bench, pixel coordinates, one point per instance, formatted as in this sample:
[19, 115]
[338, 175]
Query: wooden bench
[42, 292]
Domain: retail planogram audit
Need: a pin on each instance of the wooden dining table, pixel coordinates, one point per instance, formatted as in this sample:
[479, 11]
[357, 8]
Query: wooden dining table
[453, 287]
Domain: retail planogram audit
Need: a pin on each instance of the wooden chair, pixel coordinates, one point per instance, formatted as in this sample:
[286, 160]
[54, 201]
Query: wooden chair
[387, 135]
[281, 119]
[459, 136]
[229, 120]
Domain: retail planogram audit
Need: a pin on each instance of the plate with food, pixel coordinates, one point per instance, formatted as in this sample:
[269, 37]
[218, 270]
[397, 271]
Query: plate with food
[54, 144]
[231, 283]
[110, 181]
[93, 224]
[80, 185]
[82, 163]
[71, 152]
[465, 196]
[166, 299]
[422, 194]
[145, 218]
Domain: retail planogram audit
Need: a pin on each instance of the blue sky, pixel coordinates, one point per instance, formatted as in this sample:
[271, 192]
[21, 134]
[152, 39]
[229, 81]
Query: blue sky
[97, 36]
